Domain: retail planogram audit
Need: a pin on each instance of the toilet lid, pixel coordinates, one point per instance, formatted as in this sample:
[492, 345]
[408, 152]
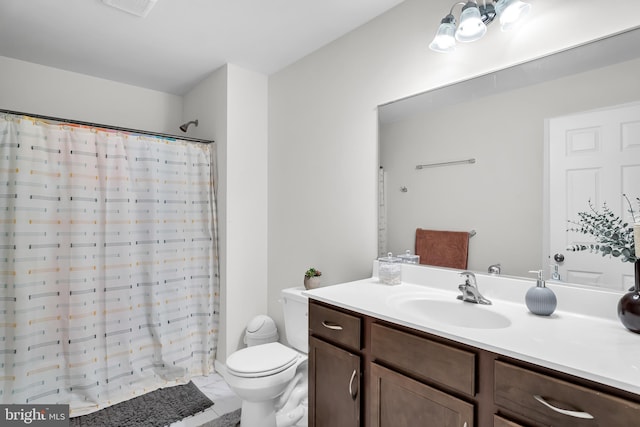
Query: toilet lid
[261, 360]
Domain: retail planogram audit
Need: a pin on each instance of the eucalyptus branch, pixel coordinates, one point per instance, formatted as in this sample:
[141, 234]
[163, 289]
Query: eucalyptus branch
[633, 216]
[612, 236]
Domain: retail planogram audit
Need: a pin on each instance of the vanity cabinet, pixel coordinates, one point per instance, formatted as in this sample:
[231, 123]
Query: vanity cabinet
[400, 371]
[368, 372]
[334, 368]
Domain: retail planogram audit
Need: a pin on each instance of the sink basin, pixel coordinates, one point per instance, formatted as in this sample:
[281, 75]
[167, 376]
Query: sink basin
[455, 313]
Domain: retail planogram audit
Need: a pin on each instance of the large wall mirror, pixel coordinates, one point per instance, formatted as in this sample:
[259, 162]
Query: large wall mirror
[486, 141]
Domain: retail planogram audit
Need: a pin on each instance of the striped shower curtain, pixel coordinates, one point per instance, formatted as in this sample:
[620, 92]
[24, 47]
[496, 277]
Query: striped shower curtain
[108, 263]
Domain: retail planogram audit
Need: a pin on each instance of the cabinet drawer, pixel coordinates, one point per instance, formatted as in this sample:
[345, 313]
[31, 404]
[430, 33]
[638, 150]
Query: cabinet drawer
[335, 326]
[399, 401]
[551, 401]
[425, 359]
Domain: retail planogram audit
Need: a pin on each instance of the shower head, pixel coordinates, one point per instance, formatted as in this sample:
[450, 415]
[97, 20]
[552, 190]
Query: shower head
[185, 126]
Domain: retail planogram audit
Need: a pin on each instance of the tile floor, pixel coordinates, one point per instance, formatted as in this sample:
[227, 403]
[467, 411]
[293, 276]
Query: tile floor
[224, 401]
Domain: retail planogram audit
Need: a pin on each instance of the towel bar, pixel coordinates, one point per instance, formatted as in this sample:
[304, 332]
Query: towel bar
[455, 162]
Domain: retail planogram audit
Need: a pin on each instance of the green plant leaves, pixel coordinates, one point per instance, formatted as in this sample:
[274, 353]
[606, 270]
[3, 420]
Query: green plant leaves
[613, 237]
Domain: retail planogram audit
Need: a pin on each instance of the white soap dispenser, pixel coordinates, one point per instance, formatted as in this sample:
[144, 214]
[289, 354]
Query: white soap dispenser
[540, 299]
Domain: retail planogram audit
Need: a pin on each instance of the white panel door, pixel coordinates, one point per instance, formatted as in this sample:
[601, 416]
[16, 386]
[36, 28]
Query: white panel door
[593, 156]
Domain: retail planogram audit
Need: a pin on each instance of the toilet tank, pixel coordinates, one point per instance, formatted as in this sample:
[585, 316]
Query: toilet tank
[296, 318]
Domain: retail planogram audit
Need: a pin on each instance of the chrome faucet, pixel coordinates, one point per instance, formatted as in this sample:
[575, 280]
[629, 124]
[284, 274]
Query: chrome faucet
[469, 289]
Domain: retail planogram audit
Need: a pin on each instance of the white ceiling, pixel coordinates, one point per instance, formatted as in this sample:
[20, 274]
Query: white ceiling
[180, 41]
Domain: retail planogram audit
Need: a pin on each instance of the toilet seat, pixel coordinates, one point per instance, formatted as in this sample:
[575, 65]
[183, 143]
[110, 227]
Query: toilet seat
[261, 360]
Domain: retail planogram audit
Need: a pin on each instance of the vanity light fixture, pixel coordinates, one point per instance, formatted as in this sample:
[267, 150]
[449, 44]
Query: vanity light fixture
[474, 19]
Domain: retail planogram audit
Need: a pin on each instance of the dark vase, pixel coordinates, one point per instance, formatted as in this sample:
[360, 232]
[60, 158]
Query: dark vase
[629, 305]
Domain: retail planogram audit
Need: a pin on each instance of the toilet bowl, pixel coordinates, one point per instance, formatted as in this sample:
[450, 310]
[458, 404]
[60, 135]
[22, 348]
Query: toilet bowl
[260, 374]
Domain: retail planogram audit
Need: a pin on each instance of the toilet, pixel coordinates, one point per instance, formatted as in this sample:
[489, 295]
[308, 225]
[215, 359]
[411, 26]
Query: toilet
[269, 377]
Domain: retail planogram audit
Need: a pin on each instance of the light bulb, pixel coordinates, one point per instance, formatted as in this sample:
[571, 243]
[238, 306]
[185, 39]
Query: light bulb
[511, 12]
[471, 27]
[444, 41]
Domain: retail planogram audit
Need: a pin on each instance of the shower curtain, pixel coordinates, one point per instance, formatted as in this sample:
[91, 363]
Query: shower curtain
[108, 263]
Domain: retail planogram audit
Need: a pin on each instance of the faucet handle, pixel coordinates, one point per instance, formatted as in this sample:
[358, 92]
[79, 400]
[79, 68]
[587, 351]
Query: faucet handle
[494, 269]
[469, 277]
[555, 275]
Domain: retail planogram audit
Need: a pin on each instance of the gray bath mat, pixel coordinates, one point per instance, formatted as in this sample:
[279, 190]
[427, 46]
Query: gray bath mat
[232, 419]
[155, 409]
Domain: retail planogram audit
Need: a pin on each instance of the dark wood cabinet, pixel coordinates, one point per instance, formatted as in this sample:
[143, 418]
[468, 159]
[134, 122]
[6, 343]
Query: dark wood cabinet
[367, 372]
[399, 368]
[399, 401]
[334, 392]
[335, 375]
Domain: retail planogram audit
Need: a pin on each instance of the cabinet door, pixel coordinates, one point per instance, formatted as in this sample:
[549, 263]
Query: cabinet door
[399, 401]
[334, 386]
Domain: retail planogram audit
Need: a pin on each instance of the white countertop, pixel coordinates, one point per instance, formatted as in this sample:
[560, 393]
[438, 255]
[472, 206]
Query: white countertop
[582, 337]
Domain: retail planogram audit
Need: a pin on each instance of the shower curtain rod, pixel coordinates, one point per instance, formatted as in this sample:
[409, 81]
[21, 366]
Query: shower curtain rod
[117, 128]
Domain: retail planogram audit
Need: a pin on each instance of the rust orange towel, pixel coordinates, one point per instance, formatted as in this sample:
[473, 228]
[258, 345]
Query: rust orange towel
[443, 248]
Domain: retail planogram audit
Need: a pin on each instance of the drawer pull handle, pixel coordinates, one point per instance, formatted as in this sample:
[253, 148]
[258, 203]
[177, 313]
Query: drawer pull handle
[331, 325]
[351, 393]
[575, 414]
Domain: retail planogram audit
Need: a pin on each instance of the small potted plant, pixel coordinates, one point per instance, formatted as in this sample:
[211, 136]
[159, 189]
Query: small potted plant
[312, 278]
